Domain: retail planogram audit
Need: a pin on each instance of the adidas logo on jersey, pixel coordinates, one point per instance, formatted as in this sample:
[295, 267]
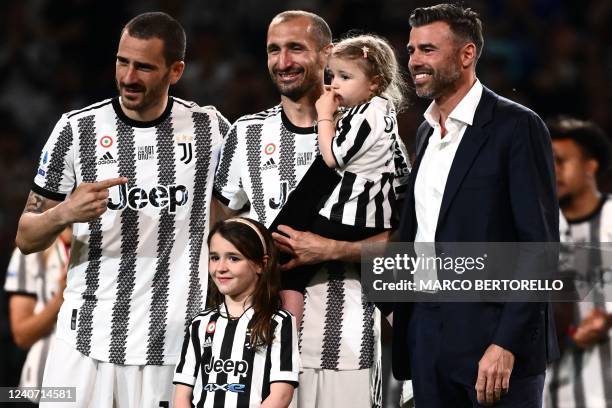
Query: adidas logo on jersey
[270, 164]
[172, 196]
[107, 158]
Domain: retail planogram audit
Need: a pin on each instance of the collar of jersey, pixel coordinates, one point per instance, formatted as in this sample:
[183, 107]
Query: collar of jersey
[296, 129]
[588, 217]
[137, 123]
[222, 308]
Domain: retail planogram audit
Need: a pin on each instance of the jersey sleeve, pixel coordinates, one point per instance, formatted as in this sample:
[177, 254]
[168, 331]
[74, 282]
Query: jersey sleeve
[224, 124]
[401, 160]
[187, 368]
[55, 176]
[285, 358]
[21, 273]
[357, 131]
[228, 183]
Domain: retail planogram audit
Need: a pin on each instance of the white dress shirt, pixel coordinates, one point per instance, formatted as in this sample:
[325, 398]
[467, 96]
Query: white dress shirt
[437, 160]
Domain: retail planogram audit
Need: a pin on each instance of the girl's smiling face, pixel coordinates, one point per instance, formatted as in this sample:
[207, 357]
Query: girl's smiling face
[234, 274]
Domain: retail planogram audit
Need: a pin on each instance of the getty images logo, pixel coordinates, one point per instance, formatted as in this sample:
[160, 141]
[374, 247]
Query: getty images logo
[136, 198]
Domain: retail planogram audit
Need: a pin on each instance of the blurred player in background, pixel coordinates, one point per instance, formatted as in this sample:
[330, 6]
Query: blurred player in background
[583, 376]
[35, 284]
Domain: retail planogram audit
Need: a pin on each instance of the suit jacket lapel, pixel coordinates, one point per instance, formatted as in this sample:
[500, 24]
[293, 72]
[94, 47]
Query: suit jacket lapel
[473, 139]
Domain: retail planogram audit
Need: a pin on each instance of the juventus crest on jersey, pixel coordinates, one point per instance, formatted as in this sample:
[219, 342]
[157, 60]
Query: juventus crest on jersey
[138, 273]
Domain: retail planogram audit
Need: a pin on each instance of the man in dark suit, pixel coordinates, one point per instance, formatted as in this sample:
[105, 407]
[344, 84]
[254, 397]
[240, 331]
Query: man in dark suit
[484, 173]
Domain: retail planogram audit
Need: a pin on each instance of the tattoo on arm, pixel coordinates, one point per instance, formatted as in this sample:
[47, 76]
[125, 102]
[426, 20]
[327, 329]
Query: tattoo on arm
[35, 204]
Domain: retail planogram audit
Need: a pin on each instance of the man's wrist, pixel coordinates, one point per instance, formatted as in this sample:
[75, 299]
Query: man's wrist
[57, 216]
[334, 250]
[344, 251]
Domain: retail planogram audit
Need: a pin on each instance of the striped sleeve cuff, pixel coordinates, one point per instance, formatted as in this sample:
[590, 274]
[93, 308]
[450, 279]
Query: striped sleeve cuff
[294, 383]
[284, 376]
[51, 195]
[180, 378]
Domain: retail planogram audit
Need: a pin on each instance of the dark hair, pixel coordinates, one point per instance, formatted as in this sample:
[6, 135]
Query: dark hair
[591, 139]
[160, 25]
[463, 22]
[321, 31]
[266, 298]
[378, 61]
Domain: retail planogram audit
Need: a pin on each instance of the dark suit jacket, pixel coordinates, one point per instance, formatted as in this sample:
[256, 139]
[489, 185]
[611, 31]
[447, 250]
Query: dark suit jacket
[501, 188]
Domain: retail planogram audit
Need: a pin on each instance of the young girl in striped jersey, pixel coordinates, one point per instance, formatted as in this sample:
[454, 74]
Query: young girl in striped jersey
[357, 134]
[241, 351]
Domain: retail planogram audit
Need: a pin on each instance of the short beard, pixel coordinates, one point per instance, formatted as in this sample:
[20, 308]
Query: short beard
[150, 97]
[442, 82]
[298, 91]
[294, 93]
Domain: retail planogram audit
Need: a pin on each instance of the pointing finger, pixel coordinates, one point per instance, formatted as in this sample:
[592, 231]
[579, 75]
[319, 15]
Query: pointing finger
[108, 183]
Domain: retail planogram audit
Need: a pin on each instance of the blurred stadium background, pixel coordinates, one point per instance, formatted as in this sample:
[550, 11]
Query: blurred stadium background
[553, 56]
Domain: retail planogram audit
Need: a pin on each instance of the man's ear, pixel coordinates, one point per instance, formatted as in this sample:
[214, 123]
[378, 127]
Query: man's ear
[592, 167]
[326, 51]
[468, 55]
[176, 71]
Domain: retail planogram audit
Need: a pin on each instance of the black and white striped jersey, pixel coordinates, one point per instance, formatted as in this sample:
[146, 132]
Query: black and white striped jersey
[138, 273]
[374, 166]
[217, 359]
[264, 157]
[582, 378]
[36, 275]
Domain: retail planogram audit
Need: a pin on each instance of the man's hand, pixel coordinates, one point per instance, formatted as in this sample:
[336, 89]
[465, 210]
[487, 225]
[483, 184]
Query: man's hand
[494, 369]
[305, 247]
[44, 219]
[592, 329]
[88, 201]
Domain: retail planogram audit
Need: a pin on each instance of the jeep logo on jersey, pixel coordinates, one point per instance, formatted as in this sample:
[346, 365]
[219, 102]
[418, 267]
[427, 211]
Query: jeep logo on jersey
[172, 196]
[234, 367]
